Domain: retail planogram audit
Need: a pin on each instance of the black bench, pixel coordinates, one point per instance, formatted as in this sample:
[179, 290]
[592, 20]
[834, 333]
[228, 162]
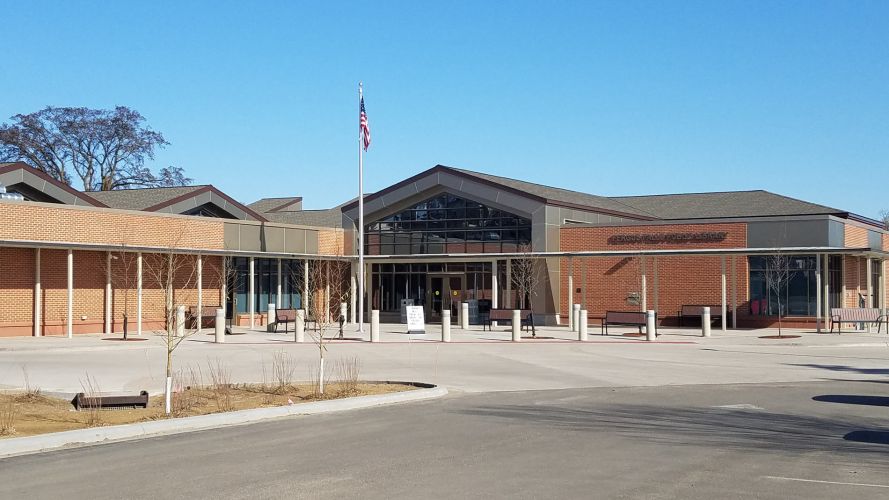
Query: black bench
[207, 312]
[626, 318]
[81, 401]
[526, 318]
[284, 316]
[696, 310]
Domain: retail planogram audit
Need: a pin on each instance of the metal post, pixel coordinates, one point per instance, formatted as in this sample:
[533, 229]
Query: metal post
[869, 301]
[251, 299]
[107, 293]
[494, 294]
[139, 293]
[278, 299]
[657, 287]
[69, 327]
[38, 299]
[825, 296]
[509, 302]
[446, 325]
[353, 301]
[305, 288]
[723, 303]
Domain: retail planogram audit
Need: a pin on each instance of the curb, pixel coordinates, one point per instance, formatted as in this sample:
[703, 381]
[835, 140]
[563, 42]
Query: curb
[80, 437]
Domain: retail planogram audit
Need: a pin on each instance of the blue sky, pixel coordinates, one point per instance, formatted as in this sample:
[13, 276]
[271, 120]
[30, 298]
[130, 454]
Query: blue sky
[611, 98]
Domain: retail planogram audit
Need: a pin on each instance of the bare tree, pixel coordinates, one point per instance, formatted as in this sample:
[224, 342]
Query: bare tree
[170, 271]
[884, 218]
[105, 148]
[226, 273]
[327, 289]
[525, 277]
[778, 275]
[124, 279]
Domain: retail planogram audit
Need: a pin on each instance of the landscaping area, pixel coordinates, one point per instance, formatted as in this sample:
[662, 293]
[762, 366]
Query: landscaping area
[197, 390]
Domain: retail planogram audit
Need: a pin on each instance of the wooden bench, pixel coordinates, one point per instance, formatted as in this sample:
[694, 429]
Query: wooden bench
[284, 316]
[695, 311]
[207, 312]
[525, 315]
[840, 315]
[626, 318]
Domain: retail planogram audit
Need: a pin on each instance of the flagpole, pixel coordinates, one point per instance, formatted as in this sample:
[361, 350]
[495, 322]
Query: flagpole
[360, 222]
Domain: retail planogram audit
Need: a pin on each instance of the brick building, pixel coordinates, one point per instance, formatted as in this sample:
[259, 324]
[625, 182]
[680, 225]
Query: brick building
[75, 262]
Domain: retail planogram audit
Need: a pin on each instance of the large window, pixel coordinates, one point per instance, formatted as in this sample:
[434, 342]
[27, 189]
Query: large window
[265, 284]
[447, 224]
[797, 291]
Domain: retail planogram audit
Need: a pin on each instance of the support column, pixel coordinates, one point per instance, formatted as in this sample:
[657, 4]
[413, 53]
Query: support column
[509, 302]
[883, 284]
[107, 293]
[139, 293]
[818, 293]
[825, 295]
[278, 297]
[200, 304]
[723, 303]
[69, 322]
[657, 287]
[305, 291]
[494, 295]
[570, 297]
[869, 271]
[644, 297]
[251, 299]
[38, 296]
[734, 292]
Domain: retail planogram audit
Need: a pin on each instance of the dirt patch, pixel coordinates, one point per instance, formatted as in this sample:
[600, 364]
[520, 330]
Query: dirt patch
[29, 414]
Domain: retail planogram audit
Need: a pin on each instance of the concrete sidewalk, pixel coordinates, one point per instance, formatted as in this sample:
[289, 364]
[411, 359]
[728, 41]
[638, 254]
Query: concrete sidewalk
[475, 361]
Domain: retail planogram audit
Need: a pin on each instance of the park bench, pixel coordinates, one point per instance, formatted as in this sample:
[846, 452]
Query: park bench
[81, 401]
[695, 311]
[284, 316]
[207, 313]
[626, 318]
[840, 315]
[525, 315]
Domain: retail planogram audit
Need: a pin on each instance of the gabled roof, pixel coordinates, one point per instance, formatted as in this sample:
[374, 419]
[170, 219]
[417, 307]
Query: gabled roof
[142, 198]
[729, 204]
[284, 204]
[40, 186]
[174, 200]
[331, 217]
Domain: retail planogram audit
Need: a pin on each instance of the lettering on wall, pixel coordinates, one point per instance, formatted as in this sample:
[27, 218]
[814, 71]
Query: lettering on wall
[656, 238]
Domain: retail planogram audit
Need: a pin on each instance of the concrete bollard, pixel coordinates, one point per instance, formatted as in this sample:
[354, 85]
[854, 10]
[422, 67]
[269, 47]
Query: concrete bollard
[299, 326]
[344, 312]
[575, 312]
[464, 315]
[516, 325]
[375, 325]
[219, 326]
[446, 325]
[571, 316]
[650, 326]
[270, 324]
[705, 322]
[180, 321]
[583, 332]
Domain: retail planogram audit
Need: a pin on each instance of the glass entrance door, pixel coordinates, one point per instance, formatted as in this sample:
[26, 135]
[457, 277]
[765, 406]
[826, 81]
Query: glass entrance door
[444, 293]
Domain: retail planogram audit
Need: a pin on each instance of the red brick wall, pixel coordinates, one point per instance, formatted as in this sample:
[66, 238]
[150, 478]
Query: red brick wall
[681, 279]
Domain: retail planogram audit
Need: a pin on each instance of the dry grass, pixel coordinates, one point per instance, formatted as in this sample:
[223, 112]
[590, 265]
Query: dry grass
[8, 413]
[348, 371]
[220, 385]
[91, 390]
[46, 414]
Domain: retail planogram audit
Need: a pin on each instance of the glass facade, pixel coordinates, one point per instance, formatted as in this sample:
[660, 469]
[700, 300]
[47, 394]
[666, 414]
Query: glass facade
[265, 284]
[796, 275]
[447, 224]
[391, 283]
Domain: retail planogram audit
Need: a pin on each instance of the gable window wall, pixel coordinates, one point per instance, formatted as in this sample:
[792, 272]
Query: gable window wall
[447, 224]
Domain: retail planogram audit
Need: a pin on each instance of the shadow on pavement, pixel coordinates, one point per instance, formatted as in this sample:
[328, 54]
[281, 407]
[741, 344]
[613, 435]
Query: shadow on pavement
[873, 437]
[852, 399]
[722, 427]
[844, 368]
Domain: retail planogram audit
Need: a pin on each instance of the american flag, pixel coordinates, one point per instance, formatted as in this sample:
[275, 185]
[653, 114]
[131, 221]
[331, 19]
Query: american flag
[363, 126]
